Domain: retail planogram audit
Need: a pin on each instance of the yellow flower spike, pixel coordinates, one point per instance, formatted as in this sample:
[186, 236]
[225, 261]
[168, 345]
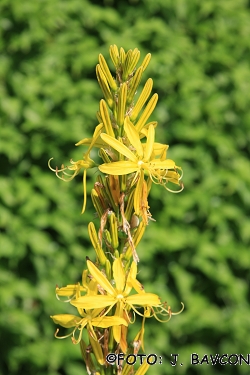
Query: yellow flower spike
[142, 99]
[106, 118]
[96, 244]
[107, 73]
[146, 113]
[134, 84]
[146, 61]
[121, 106]
[104, 86]
[121, 201]
[114, 54]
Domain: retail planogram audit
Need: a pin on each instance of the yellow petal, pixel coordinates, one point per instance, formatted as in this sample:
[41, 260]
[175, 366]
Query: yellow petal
[67, 320]
[119, 274]
[118, 146]
[160, 150]
[119, 168]
[131, 276]
[96, 134]
[108, 321]
[100, 278]
[143, 299]
[138, 194]
[87, 141]
[133, 136]
[162, 164]
[117, 329]
[150, 143]
[93, 302]
[69, 290]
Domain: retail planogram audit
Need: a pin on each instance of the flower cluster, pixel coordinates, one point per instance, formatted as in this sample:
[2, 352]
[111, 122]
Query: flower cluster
[110, 296]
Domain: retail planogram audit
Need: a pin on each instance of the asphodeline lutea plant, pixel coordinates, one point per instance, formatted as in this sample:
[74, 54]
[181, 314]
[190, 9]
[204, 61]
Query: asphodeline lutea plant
[110, 298]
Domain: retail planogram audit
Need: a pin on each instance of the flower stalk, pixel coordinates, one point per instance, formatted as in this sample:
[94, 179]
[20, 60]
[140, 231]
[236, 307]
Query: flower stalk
[111, 297]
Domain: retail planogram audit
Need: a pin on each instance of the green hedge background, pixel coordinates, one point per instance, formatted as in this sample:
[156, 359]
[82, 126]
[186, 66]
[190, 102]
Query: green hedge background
[198, 249]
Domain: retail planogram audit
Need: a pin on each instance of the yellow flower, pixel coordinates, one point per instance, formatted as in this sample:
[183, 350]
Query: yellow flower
[118, 295]
[149, 159]
[76, 166]
[85, 163]
[89, 319]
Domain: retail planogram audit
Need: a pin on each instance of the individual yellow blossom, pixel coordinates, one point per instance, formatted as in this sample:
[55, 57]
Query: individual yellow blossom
[85, 163]
[143, 161]
[88, 319]
[118, 295]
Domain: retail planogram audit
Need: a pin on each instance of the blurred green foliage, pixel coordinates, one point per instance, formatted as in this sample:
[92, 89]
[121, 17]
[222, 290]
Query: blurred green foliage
[198, 249]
